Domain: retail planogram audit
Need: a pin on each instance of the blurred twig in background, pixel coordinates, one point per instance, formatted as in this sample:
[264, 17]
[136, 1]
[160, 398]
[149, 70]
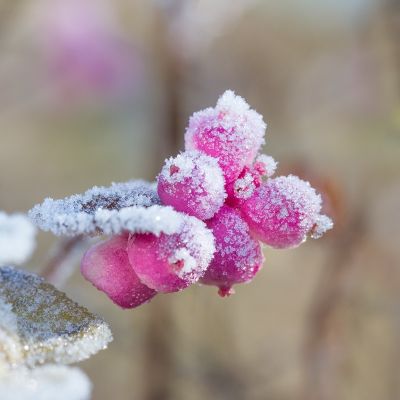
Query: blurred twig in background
[323, 348]
[60, 266]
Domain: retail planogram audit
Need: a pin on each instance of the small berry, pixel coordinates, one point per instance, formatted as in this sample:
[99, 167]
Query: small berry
[238, 255]
[230, 132]
[169, 263]
[106, 266]
[283, 211]
[249, 180]
[192, 183]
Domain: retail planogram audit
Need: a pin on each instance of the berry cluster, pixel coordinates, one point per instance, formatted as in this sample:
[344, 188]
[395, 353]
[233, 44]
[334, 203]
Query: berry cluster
[204, 221]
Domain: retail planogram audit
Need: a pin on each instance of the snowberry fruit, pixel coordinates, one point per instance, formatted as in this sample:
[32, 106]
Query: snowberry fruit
[283, 211]
[238, 255]
[169, 263]
[106, 266]
[249, 180]
[192, 183]
[230, 132]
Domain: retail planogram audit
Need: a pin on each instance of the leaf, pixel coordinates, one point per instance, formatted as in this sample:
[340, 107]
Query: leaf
[39, 324]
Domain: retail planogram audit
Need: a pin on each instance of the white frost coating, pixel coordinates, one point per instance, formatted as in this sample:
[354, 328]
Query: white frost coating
[322, 224]
[197, 248]
[17, 238]
[40, 324]
[75, 215]
[269, 163]
[50, 382]
[188, 262]
[244, 187]
[154, 219]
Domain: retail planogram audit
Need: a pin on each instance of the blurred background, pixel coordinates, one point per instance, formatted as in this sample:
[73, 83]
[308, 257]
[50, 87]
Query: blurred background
[97, 91]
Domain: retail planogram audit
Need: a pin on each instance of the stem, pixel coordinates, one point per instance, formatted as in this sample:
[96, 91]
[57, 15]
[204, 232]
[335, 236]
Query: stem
[58, 269]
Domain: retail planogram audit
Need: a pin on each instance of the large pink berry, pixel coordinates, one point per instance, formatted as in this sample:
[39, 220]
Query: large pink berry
[106, 266]
[238, 255]
[283, 211]
[193, 183]
[169, 263]
[230, 132]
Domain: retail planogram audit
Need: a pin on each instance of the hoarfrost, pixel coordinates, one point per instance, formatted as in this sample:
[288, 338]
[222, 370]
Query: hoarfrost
[48, 382]
[76, 214]
[17, 238]
[40, 324]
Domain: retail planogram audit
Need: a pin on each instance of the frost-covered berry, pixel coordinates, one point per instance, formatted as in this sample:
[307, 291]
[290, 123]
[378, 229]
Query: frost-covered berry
[238, 255]
[230, 132]
[106, 266]
[283, 211]
[193, 183]
[169, 263]
[250, 179]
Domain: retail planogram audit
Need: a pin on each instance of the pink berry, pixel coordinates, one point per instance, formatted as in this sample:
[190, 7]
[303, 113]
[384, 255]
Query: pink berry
[192, 183]
[249, 180]
[238, 255]
[169, 263]
[230, 132]
[282, 211]
[106, 266]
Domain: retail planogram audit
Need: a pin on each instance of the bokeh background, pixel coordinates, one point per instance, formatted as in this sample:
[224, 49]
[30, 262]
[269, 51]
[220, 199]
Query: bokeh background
[97, 91]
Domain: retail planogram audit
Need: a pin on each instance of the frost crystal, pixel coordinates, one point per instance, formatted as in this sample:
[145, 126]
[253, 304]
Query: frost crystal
[40, 324]
[17, 238]
[78, 214]
[230, 132]
[322, 224]
[48, 382]
[267, 163]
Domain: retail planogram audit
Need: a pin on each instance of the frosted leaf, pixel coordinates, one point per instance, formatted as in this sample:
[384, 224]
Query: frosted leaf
[322, 224]
[76, 214]
[17, 238]
[39, 324]
[230, 132]
[48, 382]
[154, 219]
